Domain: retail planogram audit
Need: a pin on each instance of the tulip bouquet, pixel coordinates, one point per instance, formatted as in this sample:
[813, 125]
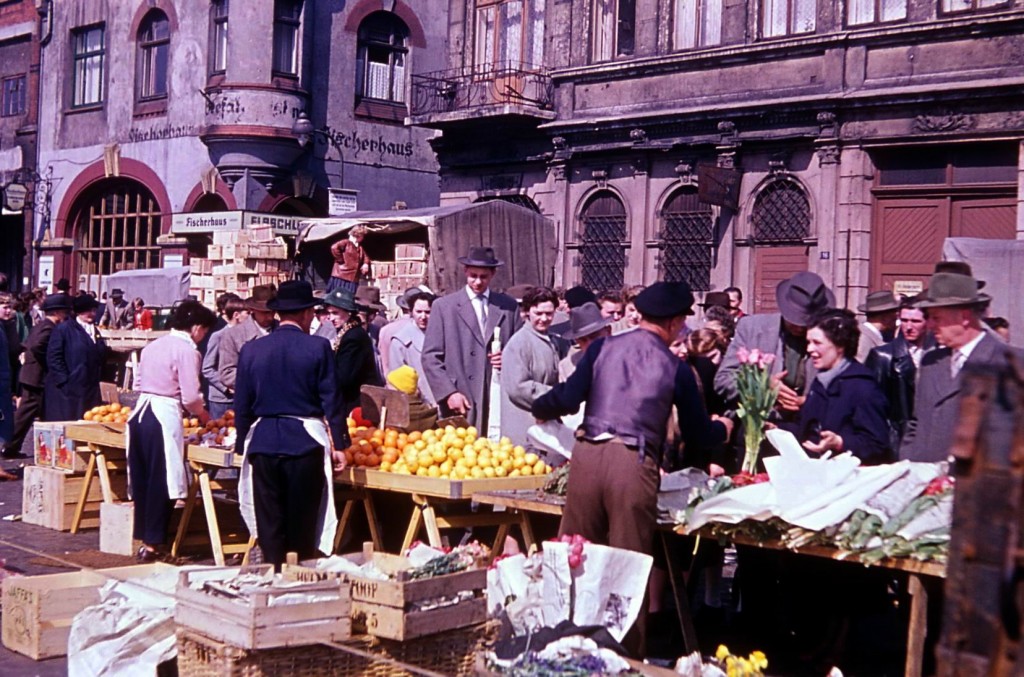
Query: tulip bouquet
[756, 401]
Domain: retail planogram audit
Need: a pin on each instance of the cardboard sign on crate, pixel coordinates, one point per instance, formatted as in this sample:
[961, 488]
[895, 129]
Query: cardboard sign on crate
[258, 621]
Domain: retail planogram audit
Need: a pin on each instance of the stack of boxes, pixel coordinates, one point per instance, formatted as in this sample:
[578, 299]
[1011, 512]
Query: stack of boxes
[409, 269]
[239, 260]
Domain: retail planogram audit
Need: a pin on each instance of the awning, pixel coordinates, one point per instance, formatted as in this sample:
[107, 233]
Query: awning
[391, 221]
[156, 286]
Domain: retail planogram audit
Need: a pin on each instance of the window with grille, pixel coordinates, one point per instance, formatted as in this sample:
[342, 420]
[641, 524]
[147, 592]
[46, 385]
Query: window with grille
[602, 246]
[13, 101]
[219, 36]
[381, 58]
[781, 214]
[697, 23]
[687, 239]
[287, 19]
[117, 230]
[154, 53]
[614, 29]
[862, 12]
[87, 67]
[787, 17]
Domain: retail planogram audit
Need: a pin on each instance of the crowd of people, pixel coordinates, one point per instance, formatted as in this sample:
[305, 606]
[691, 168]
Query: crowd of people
[653, 371]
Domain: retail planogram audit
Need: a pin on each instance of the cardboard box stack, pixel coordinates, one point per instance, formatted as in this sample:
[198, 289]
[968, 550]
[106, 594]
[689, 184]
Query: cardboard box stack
[239, 260]
[409, 269]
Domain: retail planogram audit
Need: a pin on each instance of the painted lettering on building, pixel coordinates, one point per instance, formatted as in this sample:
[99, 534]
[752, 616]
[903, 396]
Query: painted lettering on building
[135, 134]
[360, 144]
[224, 105]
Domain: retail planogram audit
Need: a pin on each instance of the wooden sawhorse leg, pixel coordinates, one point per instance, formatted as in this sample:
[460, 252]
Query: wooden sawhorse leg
[83, 495]
[681, 598]
[366, 498]
[186, 514]
[918, 628]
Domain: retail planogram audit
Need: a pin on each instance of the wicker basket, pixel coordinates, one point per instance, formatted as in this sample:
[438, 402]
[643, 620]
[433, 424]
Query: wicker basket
[450, 653]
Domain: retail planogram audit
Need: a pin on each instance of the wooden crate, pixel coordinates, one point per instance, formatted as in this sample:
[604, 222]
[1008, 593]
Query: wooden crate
[117, 521]
[436, 486]
[256, 622]
[38, 610]
[49, 498]
[386, 609]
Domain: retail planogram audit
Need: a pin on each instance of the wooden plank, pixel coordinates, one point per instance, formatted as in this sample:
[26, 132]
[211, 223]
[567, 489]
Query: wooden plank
[434, 486]
[394, 623]
[102, 434]
[211, 456]
[533, 500]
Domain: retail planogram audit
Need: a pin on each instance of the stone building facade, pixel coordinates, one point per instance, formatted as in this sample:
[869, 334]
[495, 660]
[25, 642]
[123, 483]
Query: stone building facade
[158, 108]
[733, 143]
[20, 27]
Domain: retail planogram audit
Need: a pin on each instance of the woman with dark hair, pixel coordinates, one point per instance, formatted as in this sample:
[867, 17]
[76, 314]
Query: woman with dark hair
[143, 316]
[355, 364]
[845, 410]
[168, 380]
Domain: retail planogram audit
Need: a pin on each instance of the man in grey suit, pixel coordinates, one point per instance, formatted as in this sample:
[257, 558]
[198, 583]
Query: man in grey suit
[784, 335]
[457, 357]
[260, 323]
[954, 308]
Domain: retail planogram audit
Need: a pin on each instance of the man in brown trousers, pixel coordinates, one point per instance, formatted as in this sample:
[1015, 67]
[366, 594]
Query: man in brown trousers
[630, 382]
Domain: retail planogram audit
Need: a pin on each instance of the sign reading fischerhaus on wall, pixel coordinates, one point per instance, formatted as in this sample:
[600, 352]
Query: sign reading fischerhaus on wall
[208, 222]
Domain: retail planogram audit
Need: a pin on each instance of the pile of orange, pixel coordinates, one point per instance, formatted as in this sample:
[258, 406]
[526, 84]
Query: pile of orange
[108, 413]
[449, 453]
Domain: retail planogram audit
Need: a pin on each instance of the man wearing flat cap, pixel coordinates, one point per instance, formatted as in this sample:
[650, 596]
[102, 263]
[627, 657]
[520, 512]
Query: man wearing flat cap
[457, 356]
[55, 309]
[784, 335]
[291, 430]
[954, 307]
[630, 382]
[880, 312]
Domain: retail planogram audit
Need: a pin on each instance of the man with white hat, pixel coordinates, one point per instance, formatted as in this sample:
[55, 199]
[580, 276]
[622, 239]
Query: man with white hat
[586, 325]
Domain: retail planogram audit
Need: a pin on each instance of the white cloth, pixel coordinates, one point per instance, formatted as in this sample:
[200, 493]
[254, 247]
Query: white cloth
[327, 520]
[168, 412]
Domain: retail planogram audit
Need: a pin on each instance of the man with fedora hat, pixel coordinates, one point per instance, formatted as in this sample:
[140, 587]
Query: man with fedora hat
[784, 335]
[259, 324]
[118, 313]
[291, 429]
[954, 307]
[586, 325]
[880, 312]
[457, 357]
[354, 361]
[55, 308]
[74, 361]
[630, 382]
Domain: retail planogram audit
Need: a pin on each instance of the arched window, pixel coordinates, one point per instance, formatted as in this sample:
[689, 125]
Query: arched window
[381, 57]
[603, 242]
[781, 214]
[116, 229]
[154, 53]
[687, 239]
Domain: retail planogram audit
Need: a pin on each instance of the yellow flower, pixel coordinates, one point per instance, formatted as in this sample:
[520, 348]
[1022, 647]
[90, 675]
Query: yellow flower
[759, 660]
[722, 652]
[745, 667]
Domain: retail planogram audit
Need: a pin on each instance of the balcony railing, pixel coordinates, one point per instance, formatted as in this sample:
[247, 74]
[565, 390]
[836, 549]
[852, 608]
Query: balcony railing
[479, 88]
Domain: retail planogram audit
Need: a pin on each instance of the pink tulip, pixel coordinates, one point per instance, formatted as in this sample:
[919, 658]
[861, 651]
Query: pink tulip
[755, 357]
[743, 355]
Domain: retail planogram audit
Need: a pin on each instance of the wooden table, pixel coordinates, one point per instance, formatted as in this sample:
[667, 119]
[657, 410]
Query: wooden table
[105, 446]
[428, 496]
[204, 462]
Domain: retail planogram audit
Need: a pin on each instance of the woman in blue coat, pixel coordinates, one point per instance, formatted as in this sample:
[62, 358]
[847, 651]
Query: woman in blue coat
[75, 358]
[845, 410]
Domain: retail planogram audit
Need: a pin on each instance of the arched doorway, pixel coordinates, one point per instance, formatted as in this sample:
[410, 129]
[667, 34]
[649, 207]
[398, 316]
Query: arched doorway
[781, 220]
[686, 239]
[603, 243]
[116, 226]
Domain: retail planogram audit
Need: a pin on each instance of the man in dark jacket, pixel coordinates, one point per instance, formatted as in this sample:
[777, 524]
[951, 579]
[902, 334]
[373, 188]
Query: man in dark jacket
[895, 366]
[55, 309]
[355, 364]
[74, 358]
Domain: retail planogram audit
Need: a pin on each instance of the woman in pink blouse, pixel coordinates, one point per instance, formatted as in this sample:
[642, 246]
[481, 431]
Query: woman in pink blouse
[168, 380]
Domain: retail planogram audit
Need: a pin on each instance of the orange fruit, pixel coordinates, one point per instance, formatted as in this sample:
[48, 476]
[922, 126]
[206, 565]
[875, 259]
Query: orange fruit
[414, 436]
[88, 416]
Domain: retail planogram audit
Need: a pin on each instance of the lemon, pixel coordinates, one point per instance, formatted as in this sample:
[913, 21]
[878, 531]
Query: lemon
[489, 472]
[526, 470]
[500, 471]
[531, 458]
[539, 468]
[477, 473]
[446, 467]
[518, 451]
[421, 472]
[434, 471]
[518, 462]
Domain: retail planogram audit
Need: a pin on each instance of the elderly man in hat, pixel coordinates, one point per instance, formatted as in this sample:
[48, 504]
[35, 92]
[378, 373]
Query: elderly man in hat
[219, 396]
[117, 313]
[457, 355]
[74, 360]
[260, 323]
[954, 307]
[291, 430]
[31, 407]
[630, 382]
[406, 346]
[354, 359]
[880, 312]
[393, 327]
[586, 325]
[784, 335]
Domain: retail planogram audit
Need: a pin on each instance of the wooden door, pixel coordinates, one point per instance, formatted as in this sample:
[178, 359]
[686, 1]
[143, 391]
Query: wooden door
[990, 218]
[907, 240]
[772, 265]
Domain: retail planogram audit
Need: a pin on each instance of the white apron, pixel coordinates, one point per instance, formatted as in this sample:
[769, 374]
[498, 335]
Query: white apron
[167, 411]
[327, 520]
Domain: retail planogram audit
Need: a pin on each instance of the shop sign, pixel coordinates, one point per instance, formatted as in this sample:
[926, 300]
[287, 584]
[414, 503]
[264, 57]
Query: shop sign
[14, 197]
[907, 287]
[209, 222]
[342, 201]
